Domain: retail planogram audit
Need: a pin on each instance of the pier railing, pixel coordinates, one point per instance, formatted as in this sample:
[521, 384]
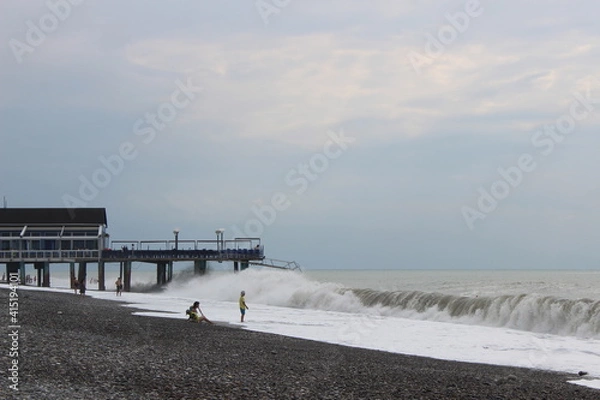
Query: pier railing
[183, 255]
[48, 255]
[279, 264]
[188, 244]
[256, 256]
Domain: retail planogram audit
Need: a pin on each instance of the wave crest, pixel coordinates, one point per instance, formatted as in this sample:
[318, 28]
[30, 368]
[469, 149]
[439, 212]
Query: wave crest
[528, 312]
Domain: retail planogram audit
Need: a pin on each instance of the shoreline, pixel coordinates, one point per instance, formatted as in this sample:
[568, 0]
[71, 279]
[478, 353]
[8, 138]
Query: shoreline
[479, 343]
[88, 348]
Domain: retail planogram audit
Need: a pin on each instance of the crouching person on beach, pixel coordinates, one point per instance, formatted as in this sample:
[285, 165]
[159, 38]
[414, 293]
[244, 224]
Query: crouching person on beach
[195, 314]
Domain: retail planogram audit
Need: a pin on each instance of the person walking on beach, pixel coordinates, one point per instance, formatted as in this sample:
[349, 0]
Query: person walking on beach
[119, 285]
[243, 306]
[75, 286]
[195, 313]
[82, 287]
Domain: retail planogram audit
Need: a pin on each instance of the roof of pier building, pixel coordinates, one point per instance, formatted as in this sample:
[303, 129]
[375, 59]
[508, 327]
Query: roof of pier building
[53, 216]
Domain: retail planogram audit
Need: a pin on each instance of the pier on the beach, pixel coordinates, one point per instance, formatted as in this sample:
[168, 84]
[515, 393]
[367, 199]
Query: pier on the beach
[78, 237]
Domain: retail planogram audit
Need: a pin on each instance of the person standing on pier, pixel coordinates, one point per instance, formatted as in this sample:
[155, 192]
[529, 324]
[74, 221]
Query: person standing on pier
[243, 306]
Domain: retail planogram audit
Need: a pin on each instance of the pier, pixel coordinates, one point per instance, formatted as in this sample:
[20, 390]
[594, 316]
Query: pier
[78, 237]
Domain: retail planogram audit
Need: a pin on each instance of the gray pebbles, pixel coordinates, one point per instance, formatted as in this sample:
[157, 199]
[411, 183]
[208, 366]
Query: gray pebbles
[73, 347]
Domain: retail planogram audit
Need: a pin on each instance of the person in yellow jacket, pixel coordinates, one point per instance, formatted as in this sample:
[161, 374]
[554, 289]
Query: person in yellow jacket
[243, 306]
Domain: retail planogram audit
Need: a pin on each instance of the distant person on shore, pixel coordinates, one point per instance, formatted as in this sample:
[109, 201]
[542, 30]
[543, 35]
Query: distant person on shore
[195, 313]
[75, 286]
[119, 285]
[243, 306]
[82, 287]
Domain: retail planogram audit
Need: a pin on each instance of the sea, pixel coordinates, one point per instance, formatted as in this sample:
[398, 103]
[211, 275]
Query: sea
[542, 319]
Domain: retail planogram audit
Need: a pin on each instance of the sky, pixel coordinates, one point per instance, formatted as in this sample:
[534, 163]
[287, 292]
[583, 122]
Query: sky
[345, 134]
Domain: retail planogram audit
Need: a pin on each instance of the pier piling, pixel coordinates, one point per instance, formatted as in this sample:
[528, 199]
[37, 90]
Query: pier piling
[199, 267]
[82, 273]
[127, 276]
[101, 270]
[72, 274]
[161, 273]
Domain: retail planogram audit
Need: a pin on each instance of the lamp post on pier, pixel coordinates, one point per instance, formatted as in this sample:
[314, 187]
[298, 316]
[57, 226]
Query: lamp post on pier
[219, 233]
[176, 233]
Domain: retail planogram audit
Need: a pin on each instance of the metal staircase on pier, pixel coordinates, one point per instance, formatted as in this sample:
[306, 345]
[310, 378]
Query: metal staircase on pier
[279, 264]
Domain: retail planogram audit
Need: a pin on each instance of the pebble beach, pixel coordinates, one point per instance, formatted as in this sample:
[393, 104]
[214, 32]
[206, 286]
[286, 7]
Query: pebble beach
[75, 347]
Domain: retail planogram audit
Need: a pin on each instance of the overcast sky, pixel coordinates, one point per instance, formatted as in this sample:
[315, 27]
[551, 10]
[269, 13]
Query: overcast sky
[344, 133]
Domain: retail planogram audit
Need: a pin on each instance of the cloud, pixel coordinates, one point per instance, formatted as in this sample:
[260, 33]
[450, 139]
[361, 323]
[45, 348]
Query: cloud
[424, 142]
[291, 88]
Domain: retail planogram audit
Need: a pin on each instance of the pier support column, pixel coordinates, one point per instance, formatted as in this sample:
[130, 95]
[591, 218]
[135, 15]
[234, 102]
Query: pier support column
[11, 268]
[72, 274]
[82, 273]
[39, 267]
[199, 267]
[43, 273]
[46, 282]
[244, 265]
[161, 273]
[14, 268]
[101, 280]
[236, 267]
[22, 272]
[127, 276]
[170, 271]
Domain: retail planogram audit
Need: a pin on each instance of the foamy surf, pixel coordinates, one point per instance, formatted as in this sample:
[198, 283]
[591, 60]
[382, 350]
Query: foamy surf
[527, 312]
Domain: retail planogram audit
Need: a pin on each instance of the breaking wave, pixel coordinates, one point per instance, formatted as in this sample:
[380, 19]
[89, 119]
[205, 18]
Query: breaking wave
[528, 312]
